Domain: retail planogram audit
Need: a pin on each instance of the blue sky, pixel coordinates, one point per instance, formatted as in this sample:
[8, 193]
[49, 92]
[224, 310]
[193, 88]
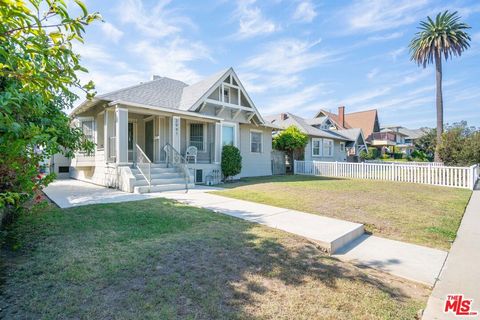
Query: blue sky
[296, 56]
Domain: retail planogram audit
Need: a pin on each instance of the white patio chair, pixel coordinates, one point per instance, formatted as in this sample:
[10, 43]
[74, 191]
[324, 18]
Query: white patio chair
[191, 153]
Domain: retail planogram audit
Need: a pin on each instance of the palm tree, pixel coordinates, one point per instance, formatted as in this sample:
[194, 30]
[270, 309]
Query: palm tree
[444, 36]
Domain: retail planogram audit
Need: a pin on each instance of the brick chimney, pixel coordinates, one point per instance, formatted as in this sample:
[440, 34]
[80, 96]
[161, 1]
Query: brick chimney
[341, 116]
[283, 116]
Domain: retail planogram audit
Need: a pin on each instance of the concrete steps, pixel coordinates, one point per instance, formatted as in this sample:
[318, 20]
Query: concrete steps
[163, 179]
[162, 187]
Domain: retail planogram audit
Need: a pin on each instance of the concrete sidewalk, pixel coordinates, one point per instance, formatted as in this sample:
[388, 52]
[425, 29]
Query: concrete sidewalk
[461, 273]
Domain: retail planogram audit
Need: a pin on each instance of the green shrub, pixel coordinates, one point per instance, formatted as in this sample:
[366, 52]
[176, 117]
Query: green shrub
[398, 155]
[231, 161]
[372, 154]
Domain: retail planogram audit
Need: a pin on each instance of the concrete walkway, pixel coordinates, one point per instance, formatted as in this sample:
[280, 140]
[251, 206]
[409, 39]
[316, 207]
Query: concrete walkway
[409, 261]
[345, 239]
[461, 273]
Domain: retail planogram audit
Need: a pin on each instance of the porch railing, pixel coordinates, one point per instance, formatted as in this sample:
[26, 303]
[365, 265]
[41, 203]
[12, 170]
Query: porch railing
[144, 165]
[175, 159]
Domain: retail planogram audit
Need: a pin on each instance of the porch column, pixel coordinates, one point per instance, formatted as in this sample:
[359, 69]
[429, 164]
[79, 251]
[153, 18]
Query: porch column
[121, 131]
[109, 132]
[176, 133]
[218, 143]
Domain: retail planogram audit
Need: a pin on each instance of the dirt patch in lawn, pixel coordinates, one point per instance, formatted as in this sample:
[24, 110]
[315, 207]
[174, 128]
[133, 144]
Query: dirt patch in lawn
[159, 259]
[415, 213]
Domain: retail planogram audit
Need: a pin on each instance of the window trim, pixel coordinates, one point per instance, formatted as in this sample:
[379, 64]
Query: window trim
[261, 141]
[331, 149]
[320, 147]
[235, 132]
[204, 134]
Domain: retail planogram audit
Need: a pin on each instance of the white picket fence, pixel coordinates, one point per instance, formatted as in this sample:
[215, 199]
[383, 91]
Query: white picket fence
[458, 177]
[412, 163]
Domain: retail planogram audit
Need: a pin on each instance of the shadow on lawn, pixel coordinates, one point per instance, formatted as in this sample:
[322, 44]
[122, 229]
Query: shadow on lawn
[269, 179]
[214, 267]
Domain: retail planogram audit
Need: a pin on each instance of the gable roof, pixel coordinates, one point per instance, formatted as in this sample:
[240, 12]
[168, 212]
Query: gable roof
[192, 94]
[164, 92]
[161, 92]
[303, 126]
[409, 133]
[366, 120]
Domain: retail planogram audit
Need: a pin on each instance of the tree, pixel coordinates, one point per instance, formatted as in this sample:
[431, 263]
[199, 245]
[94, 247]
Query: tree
[38, 71]
[231, 161]
[427, 143]
[460, 145]
[290, 140]
[445, 36]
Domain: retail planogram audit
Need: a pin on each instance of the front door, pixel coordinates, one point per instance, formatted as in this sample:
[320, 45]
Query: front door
[149, 139]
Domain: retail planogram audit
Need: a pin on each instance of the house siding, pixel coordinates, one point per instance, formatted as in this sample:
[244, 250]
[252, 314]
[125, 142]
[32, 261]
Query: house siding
[255, 164]
[338, 155]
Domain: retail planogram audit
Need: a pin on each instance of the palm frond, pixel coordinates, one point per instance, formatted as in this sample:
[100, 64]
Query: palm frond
[443, 36]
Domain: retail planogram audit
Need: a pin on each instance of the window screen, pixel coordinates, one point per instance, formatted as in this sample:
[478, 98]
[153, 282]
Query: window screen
[255, 141]
[196, 135]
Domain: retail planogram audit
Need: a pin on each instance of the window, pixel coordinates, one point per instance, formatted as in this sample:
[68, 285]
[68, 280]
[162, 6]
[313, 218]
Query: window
[228, 135]
[87, 128]
[255, 141]
[197, 136]
[198, 176]
[63, 169]
[327, 148]
[342, 146]
[226, 95]
[316, 147]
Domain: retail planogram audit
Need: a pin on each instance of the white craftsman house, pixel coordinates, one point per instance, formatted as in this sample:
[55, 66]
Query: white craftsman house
[164, 134]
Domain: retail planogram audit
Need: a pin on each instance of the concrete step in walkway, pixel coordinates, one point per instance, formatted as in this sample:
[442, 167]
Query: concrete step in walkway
[346, 240]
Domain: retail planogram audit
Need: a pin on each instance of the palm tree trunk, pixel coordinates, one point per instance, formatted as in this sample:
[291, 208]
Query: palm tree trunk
[439, 103]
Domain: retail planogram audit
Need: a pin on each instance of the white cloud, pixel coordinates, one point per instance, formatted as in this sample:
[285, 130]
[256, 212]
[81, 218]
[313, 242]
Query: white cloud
[305, 12]
[252, 22]
[293, 101]
[396, 53]
[385, 37]
[378, 15]
[171, 60]
[155, 22]
[373, 73]
[111, 32]
[289, 56]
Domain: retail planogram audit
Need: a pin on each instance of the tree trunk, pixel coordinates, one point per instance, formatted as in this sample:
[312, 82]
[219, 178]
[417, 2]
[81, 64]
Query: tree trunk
[439, 103]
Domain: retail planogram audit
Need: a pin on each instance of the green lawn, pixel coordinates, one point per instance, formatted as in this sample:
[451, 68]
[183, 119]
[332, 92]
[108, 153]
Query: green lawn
[421, 214]
[157, 259]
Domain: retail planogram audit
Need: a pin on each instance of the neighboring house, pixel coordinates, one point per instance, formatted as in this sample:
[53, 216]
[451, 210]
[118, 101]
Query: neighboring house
[323, 144]
[140, 130]
[366, 120]
[402, 138]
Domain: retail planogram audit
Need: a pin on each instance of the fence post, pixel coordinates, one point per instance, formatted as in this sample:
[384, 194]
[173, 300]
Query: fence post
[336, 168]
[363, 170]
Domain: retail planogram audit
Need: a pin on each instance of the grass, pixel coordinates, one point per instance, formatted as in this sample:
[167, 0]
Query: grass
[420, 214]
[157, 259]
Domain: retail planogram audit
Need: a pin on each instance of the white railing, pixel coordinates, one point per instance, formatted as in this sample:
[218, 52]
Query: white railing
[144, 165]
[412, 163]
[174, 158]
[458, 177]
